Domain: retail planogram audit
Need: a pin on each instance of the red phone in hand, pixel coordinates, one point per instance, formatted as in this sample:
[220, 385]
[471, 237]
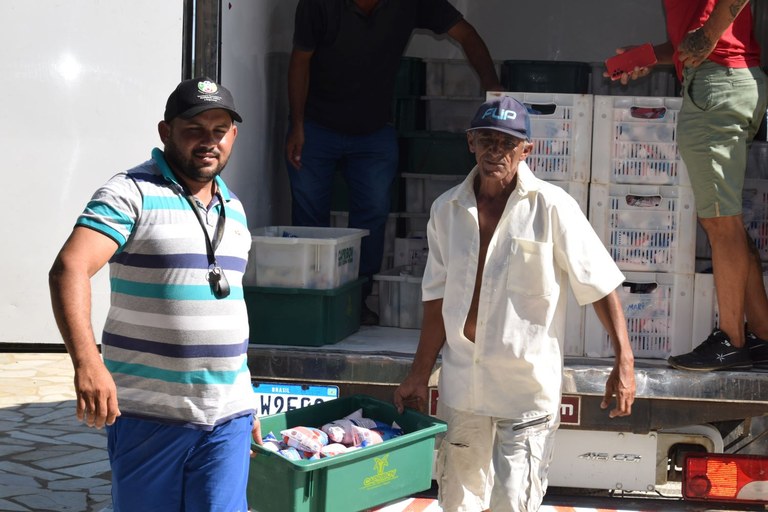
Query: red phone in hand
[640, 56]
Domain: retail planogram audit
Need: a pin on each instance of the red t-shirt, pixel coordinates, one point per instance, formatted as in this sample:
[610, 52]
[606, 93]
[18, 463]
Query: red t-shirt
[737, 48]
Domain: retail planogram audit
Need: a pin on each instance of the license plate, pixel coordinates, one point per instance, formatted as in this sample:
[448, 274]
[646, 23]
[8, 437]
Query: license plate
[276, 398]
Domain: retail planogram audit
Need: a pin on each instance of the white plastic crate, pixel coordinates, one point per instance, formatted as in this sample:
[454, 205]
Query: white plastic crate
[412, 250]
[415, 223]
[579, 191]
[561, 133]
[575, 315]
[635, 141]
[400, 297]
[658, 308]
[755, 214]
[646, 228]
[421, 190]
[303, 257]
[341, 220]
[705, 312]
[452, 77]
[757, 161]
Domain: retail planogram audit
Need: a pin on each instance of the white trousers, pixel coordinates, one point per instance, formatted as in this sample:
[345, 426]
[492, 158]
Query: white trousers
[501, 464]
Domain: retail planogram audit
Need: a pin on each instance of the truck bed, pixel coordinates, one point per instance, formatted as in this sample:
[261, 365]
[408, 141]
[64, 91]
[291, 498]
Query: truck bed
[376, 359]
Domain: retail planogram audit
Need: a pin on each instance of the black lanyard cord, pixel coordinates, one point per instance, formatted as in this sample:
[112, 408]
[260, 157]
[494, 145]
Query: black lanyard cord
[216, 277]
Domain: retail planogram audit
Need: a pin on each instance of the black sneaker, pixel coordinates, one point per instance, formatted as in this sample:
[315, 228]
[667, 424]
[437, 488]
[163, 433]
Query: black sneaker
[714, 353]
[758, 350]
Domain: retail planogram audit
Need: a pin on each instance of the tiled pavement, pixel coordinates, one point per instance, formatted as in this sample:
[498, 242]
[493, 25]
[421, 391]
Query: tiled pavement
[48, 461]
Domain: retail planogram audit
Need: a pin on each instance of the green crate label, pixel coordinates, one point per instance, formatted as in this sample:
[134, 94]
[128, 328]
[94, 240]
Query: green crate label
[346, 256]
[381, 475]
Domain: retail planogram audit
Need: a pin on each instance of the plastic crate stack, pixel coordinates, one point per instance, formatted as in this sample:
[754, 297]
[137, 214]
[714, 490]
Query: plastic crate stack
[561, 133]
[641, 205]
[433, 158]
[301, 285]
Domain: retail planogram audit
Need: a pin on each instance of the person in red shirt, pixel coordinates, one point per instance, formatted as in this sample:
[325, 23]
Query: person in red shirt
[713, 47]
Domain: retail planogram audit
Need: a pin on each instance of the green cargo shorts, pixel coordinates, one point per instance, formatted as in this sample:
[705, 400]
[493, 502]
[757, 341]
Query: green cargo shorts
[721, 113]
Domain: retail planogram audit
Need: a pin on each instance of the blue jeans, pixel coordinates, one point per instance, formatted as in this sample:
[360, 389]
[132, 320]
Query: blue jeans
[369, 166]
[166, 468]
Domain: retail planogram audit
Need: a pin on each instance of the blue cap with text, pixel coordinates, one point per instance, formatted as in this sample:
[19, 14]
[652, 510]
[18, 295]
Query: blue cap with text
[504, 114]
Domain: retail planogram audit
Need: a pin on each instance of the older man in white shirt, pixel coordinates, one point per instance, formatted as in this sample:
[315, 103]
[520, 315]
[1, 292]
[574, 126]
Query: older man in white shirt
[503, 245]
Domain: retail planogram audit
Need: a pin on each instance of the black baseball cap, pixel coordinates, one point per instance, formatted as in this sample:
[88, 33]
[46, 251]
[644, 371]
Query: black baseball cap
[198, 95]
[503, 114]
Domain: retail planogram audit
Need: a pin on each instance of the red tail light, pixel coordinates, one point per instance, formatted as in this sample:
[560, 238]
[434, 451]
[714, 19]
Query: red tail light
[729, 478]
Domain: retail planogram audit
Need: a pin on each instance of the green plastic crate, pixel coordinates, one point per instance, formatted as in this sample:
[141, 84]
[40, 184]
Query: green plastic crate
[298, 316]
[411, 77]
[353, 481]
[435, 152]
[546, 76]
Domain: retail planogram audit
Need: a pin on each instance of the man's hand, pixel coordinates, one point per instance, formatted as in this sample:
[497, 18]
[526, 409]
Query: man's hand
[412, 393]
[636, 73]
[256, 431]
[621, 385]
[96, 396]
[293, 146]
[696, 47]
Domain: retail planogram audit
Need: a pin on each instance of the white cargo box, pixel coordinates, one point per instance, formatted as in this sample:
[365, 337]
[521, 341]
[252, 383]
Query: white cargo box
[303, 257]
[635, 141]
[561, 133]
[400, 297]
[658, 308]
[646, 228]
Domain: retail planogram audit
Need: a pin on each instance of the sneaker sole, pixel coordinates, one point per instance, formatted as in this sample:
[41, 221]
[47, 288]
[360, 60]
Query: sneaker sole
[734, 367]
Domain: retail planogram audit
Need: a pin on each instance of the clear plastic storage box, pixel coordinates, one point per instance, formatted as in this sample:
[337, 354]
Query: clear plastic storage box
[303, 257]
[646, 227]
[341, 220]
[561, 133]
[658, 308]
[635, 141]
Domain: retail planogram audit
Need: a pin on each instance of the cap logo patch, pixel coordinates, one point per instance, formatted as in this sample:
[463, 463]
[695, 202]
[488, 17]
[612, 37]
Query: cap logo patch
[207, 87]
[501, 115]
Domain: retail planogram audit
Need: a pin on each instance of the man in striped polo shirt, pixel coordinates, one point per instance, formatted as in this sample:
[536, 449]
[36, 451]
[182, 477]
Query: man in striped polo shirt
[173, 386]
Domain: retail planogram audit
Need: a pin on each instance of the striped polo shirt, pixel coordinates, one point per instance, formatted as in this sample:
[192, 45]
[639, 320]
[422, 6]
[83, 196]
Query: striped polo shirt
[177, 353]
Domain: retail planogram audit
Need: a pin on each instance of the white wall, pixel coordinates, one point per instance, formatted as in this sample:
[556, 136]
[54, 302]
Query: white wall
[84, 85]
[256, 44]
[583, 31]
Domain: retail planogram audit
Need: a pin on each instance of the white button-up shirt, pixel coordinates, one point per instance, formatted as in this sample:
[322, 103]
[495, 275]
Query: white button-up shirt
[514, 367]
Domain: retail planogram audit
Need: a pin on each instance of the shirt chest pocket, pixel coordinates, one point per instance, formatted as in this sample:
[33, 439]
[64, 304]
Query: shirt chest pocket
[531, 269]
